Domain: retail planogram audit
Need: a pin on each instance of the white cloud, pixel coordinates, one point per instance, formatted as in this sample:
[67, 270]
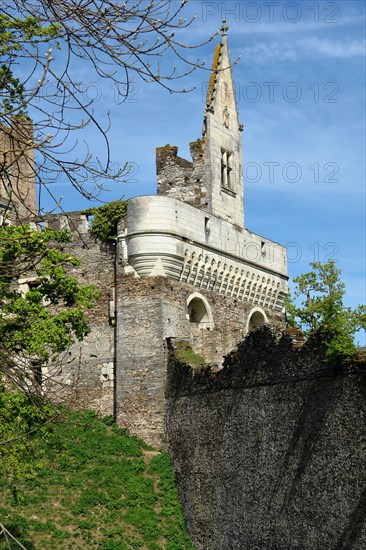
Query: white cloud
[305, 47]
[282, 27]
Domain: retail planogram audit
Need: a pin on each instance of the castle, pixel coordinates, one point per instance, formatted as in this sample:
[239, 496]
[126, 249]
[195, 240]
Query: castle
[183, 267]
[268, 452]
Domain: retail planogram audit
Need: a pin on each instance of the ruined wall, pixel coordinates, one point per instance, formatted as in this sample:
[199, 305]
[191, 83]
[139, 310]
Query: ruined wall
[149, 311]
[86, 376]
[180, 178]
[269, 453]
[121, 366]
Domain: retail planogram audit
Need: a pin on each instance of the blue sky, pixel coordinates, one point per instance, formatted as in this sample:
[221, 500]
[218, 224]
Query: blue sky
[301, 96]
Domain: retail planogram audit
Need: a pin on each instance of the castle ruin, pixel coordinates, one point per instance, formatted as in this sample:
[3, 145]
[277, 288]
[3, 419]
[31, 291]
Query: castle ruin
[183, 266]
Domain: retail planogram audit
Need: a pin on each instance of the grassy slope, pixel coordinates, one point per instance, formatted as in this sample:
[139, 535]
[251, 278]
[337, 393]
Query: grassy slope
[99, 488]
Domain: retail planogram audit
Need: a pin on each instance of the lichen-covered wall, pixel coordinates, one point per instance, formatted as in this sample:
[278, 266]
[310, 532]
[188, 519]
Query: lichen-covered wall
[270, 452]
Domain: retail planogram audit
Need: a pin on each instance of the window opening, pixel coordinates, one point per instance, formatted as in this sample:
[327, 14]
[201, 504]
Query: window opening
[226, 169]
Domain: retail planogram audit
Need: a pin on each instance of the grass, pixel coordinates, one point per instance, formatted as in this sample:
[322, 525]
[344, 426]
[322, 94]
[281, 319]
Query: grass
[185, 354]
[98, 488]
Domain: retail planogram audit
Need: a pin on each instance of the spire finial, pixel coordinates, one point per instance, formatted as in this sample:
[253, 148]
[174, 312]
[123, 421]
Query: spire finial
[224, 28]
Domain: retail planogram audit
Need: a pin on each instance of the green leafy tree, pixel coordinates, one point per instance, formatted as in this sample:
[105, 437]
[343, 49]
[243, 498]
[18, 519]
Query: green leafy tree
[322, 309]
[48, 313]
[39, 319]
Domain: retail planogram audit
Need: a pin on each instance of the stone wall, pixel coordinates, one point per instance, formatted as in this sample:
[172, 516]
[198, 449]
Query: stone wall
[121, 366]
[150, 311]
[269, 453]
[180, 178]
[140, 355]
[86, 376]
[17, 176]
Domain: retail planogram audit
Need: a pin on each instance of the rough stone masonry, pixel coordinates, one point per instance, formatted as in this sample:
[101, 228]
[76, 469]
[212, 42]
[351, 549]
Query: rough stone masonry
[269, 453]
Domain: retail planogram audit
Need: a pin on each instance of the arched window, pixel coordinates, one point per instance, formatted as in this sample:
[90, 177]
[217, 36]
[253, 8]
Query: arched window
[256, 319]
[199, 311]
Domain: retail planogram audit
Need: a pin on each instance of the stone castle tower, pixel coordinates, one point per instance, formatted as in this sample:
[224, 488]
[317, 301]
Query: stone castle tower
[213, 182]
[183, 267]
[17, 176]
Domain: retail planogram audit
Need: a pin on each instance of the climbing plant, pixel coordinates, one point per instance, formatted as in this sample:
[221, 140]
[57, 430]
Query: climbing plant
[105, 219]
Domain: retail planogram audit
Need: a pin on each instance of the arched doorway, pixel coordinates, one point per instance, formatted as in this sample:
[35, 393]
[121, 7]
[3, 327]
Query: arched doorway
[199, 311]
[256, 319]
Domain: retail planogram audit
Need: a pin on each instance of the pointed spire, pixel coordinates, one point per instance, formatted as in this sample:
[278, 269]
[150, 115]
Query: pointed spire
[223, 140]
[213, 78]
[221, 61]
[224, 28]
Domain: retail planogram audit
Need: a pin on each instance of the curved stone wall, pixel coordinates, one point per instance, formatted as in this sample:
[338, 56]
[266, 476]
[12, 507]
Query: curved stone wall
[166, 237]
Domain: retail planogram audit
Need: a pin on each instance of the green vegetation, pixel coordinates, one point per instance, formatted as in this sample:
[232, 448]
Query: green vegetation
[37, 322]
[185, 354]
[322, 310]
[50, 316]
[21, 451]
[95, 487]
[106, 218]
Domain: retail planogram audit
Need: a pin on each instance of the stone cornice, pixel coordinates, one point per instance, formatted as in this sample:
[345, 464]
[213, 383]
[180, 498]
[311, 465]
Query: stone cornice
[205, 246]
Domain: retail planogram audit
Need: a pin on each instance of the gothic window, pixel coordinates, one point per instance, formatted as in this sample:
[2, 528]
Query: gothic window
[226, 169]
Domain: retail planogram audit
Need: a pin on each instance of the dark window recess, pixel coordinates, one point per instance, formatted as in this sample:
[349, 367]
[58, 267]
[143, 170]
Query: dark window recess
[226, 170]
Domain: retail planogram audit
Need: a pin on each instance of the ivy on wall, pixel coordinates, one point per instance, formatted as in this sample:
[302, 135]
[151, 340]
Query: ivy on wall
[106, 218]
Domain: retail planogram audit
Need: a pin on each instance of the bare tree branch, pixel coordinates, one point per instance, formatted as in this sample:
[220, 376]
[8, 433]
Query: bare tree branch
[114, 41]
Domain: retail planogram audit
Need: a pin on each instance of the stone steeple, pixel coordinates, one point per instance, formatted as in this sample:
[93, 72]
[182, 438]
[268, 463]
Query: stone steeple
[222, 133]
[213, 181]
